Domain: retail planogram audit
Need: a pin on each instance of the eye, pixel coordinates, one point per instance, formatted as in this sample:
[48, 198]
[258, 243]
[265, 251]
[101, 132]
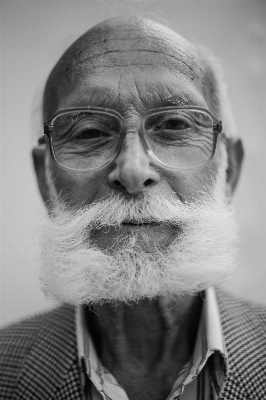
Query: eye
[173, 124]
[91, 134]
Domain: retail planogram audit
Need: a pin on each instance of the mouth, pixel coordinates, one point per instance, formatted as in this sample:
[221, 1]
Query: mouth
[140, 224]
[149, 234]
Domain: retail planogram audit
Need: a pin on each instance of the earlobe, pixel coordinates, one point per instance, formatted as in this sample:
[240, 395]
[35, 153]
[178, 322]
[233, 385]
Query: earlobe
[235, 152]
[39, 155]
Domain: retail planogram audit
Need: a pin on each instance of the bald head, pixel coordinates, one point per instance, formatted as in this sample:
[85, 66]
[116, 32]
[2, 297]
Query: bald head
[123, 42]
[120, 43]
[132, 42]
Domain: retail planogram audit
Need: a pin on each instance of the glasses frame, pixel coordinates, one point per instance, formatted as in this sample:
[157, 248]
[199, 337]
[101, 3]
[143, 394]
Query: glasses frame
[48, 127]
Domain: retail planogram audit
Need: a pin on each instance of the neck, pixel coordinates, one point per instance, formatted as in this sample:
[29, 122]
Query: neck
[156, 335]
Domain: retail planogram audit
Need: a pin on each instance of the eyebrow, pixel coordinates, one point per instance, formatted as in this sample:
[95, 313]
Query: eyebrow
[178, 100]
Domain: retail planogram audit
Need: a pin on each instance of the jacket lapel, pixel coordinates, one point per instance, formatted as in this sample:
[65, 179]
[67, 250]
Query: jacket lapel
[245, 343]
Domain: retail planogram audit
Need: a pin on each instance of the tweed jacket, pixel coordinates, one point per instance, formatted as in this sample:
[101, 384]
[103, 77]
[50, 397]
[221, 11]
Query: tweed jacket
[38, 356]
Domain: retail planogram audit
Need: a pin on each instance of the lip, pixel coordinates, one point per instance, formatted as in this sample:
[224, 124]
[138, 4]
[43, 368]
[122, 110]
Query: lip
[133, 223]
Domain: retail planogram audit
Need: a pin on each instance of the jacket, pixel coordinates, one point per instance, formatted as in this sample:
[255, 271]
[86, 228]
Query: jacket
[38, 356]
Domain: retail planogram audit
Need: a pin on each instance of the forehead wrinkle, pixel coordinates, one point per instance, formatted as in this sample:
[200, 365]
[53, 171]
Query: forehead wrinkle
[114, 62]
[138, 30]
[98, 53]
[174, 43]
[113, 41]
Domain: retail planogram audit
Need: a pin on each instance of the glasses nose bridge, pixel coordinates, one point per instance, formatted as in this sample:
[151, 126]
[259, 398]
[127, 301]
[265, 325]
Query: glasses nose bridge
[132, 138]
[133, 125]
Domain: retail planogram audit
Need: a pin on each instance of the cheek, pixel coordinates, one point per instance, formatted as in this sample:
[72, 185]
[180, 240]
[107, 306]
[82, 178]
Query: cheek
[189, 185]
[77, 188]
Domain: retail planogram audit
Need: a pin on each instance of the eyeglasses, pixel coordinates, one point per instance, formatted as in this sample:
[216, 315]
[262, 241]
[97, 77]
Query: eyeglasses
[90, 138]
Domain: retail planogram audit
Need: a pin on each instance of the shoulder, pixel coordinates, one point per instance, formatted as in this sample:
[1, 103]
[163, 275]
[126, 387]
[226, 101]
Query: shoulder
[31, 338]
[22, 334]
[18, 338]
[234, 308]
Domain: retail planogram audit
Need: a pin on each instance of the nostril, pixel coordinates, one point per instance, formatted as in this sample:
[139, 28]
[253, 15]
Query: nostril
[117, 184]
[148, 182]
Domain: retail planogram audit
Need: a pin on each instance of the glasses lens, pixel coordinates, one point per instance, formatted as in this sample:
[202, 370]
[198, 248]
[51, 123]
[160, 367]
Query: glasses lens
[180, 138]
[85, 140]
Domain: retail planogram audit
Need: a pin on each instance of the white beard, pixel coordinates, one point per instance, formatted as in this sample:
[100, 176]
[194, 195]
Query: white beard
[201, 255]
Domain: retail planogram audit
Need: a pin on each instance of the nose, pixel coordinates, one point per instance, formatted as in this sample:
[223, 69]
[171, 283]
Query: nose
[132, 171]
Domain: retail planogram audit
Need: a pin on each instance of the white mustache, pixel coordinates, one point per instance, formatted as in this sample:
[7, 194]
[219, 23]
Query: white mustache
[147, 209]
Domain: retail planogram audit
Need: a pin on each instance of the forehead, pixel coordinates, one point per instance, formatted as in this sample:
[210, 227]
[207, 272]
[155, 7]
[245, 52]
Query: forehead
[135, 88]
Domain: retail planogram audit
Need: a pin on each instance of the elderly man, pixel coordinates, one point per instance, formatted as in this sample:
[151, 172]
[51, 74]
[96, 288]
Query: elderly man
[137, 174]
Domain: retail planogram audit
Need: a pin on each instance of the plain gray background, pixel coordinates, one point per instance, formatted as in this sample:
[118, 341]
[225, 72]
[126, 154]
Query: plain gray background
[33, 36]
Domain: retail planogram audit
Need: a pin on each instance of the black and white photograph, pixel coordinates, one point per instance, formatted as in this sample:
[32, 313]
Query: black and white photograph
[133, 193]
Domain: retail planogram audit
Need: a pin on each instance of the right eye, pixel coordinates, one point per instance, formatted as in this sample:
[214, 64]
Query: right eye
[91, 134]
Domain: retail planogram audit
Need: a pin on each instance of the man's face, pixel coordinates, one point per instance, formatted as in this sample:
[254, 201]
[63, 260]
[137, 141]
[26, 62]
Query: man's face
[132, 91]
[126, 261]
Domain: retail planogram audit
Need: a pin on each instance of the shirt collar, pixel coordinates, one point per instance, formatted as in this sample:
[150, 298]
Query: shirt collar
[209, 342]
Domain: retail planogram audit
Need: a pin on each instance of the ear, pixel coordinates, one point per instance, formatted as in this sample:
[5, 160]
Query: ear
[235, 152]
[39, 155]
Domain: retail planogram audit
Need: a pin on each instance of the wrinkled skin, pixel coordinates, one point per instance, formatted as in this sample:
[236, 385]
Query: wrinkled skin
[132, 66]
